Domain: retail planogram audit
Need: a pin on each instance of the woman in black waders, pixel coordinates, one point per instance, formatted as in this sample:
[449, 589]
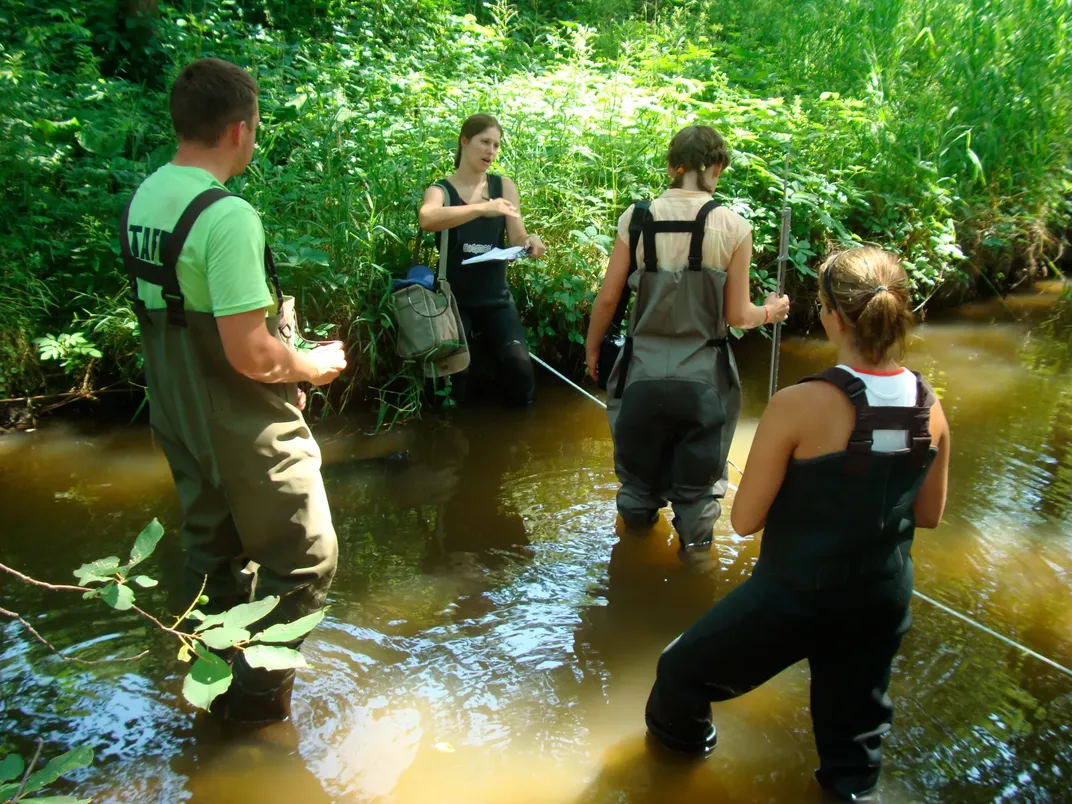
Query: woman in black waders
[843, 469]
[673, 396]
[481, 211]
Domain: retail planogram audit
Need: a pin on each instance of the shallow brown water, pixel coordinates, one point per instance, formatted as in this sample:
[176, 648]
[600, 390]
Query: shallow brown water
[491, 639]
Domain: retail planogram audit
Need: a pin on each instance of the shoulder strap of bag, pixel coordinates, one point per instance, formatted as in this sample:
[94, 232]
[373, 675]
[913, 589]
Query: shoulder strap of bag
[444, 234]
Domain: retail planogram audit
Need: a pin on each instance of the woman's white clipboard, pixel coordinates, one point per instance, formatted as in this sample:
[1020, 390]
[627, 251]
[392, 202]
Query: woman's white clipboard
[498, 254]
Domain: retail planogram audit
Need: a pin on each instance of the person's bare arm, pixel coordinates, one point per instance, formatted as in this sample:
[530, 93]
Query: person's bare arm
[515, 226]
[776, 439]
[610, 292]
[434, 217]
[253, 352]
[930, 502]
[739, 310]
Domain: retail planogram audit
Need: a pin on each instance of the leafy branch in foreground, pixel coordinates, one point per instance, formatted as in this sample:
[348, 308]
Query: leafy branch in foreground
[17, 779]
[204, 638]
[203, 641]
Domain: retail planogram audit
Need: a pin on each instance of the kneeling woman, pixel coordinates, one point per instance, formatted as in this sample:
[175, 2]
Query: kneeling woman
[842, 470]
[480, 211]
[674, 395]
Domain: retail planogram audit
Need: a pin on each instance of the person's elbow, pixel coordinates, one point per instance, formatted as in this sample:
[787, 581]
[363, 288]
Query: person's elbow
[745, 522]
[737, 317]
[427, 221]
[249, 348]
[251, 359]
[929, 517]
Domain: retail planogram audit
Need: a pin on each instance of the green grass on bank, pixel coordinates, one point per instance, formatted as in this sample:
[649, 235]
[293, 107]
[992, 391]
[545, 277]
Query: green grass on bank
[938, 129]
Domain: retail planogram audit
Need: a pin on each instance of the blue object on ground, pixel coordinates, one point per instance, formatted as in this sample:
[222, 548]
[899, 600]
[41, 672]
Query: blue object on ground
[418, 275]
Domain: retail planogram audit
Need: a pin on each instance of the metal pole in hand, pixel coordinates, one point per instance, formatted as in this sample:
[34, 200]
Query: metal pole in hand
[783, 258]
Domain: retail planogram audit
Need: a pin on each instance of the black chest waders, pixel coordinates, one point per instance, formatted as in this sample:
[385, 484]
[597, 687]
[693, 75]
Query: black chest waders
[246, 467]
[493, 328]
[832, 585]
[674, 395]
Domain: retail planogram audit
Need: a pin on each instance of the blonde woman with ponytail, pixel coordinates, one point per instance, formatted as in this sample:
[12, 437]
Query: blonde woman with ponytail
[844, 467]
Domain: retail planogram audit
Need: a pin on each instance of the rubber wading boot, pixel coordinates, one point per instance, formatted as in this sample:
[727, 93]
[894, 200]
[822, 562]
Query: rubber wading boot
[849, 787]
[699, 748]
[258, 696]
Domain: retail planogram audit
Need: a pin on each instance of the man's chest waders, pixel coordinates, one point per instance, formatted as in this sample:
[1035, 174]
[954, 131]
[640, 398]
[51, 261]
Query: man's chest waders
[674, 395]
[832, 585]
[493, 328]
[245, 465]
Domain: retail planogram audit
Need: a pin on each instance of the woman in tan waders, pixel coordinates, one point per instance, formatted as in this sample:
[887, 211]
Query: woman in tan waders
[673, 395]
[843, 469]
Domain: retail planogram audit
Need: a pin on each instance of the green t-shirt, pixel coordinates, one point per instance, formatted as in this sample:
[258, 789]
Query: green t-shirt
[221, 267]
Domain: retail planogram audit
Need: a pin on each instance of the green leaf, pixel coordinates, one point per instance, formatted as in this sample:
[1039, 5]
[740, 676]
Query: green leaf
[208, 621]
[272, 657]
[146, 542]
[208, 678]
[11, 767]
[980, 174]
[59, 766]
[245, 613]
[100, 570]
[224, 637]
[119, 596]
[145, 582]
[288, 632]
[60, 800]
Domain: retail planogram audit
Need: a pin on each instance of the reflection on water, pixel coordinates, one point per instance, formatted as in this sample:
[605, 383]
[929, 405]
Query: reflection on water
[492, 638]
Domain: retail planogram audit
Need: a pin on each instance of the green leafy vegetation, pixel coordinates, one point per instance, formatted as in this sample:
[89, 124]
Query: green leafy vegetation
[17, 781]
[204, 639]
[935, 129]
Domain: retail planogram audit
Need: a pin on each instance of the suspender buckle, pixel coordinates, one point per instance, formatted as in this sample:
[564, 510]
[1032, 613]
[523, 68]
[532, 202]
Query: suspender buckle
[176, 313]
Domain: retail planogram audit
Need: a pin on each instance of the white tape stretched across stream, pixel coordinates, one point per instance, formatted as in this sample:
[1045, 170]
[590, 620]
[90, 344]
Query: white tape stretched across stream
[920, 595]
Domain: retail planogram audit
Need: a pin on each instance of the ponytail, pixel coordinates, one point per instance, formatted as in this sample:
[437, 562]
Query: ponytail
[869, 289]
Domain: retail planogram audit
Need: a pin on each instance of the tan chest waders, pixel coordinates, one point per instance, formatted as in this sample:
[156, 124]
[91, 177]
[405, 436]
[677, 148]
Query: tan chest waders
[245, 465]
[674, 395]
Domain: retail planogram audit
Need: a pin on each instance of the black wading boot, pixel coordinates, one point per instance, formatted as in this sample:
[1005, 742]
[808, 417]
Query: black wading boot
[258, 696]
[691, 736]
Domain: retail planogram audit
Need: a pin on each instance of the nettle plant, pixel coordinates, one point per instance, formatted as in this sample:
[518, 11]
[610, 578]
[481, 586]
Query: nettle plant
[204, 641]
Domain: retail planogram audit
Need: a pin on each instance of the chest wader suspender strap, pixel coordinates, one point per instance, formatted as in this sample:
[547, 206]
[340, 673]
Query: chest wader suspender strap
[916, 420]
[494, 191]
[647, 227]
[171, 243]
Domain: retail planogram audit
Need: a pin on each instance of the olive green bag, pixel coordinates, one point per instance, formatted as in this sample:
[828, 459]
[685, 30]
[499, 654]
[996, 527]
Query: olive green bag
[430, 325]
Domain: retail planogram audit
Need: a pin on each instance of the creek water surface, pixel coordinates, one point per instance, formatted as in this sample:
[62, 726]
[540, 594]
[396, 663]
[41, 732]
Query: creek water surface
[492, 637]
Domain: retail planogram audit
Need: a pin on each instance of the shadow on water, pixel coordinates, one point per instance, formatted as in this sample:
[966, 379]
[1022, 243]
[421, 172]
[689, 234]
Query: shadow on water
[493, 634]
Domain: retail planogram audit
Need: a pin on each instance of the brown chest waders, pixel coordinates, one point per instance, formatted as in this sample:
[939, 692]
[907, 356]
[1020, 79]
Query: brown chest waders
[832, 585]
[674, 395]
[246, 467]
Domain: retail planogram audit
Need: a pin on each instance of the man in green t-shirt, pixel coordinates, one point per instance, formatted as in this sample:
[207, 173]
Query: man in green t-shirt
[222, 378]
